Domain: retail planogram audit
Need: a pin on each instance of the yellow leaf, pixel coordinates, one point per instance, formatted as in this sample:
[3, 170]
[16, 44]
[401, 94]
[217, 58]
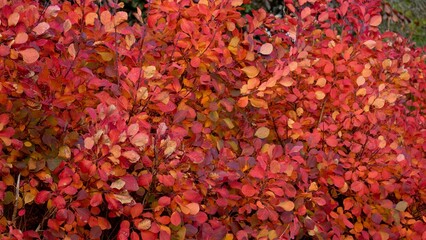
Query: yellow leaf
[361, 92]
[386, 63]
[262, 132]
[119, 17]
[106, 56]
[366, 72]
[259, 103]
[119, 184]
[360, 80]
[287, 82]
[64, 152]
[149, 71]
[319, 95]
[252, 83]
[379, 103]
[90, 18]
[293, 66]
[229, 236]
[170, 148]
[250, 71]
[144, 224]
[321, 82]
[401, 206]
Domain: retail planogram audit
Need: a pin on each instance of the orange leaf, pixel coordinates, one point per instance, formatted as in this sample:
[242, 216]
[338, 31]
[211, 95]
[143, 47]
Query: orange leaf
[119, 18]
[236, 3]
[259, 103]
[252, 83]
[287, 82]
[358, 227]
[266, 49]
[194, 208]
[242, 102]
[287, 205]
[370, 44]
[90, 18]
[293, 66]
[250, 71]
[30, 55]
[375, 20]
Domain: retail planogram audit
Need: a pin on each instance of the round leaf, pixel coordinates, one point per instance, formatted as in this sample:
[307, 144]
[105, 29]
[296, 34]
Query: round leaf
[266, 49]
[262, 132]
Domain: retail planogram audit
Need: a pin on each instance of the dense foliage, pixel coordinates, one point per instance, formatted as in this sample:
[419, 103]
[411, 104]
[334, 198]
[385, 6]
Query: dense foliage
[199, 123]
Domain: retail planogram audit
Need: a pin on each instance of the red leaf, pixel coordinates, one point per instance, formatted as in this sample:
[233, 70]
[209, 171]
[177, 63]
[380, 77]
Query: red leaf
[62, 214]
[187, 26]
[4, 50]
[257, 172]
[338, 181]
[131, 183]
[331, 141]
[305, 12]
[42, 197]
[175, 218]
[195, 156]
[96, 199]
[164, 201]
[167, 180]
[145, 180]
[137, 210]
[320, 201]
[248, 190]
[262, 214]
[357, 186]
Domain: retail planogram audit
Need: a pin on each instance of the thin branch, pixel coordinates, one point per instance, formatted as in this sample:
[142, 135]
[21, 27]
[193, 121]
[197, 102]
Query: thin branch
[15, 207]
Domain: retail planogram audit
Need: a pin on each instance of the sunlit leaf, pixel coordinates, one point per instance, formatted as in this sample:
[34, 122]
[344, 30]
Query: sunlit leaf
[262, 132]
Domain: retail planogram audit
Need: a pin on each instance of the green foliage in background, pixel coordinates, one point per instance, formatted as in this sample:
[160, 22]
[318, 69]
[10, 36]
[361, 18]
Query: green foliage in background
[415, 11]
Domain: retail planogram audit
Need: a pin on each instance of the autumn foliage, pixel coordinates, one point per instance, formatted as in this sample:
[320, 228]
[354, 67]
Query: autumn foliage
[201, 123]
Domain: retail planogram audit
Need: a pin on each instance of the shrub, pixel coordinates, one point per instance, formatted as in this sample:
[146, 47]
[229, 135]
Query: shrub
[199, 123]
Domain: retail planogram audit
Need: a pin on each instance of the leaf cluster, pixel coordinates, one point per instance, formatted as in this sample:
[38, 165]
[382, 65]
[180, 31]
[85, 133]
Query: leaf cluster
[199, 123]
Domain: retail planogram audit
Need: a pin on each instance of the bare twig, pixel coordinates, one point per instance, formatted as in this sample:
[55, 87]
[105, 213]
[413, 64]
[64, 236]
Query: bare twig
[15, 207]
